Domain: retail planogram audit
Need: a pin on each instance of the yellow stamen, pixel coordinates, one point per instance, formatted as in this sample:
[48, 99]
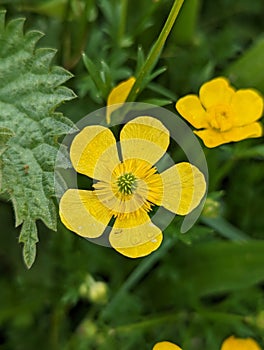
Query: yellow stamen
[220, 117]
[135, 187]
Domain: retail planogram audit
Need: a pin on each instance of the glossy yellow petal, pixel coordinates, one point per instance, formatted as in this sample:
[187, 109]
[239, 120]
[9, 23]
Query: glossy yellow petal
[166, 345]
[192, 110]
[144, 138]
[184, 187]
[93, 152]
[233, 343]
[135, 235]
[117, 95]
[247, 106]
[141, 250]
[82, 213]
[213, 138]
[216, 91]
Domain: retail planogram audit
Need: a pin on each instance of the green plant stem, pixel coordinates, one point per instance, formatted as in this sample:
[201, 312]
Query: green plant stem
[122, 24]
[55, 327]
[155, 51]
[221, 316]
[136, 275]
[180, 316]
[150, 322]
[226, 229]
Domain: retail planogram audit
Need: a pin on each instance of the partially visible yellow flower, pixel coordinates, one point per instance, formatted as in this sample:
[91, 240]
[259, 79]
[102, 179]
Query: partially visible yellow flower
[117, 95]
[165, 345]
[127, 185]
[233, 343]
[230, 343]
[224, 114]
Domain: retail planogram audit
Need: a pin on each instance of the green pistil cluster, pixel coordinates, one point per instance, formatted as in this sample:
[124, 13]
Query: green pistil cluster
[127, 183]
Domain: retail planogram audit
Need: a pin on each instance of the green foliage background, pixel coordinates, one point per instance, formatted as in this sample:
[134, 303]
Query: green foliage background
[199, 287]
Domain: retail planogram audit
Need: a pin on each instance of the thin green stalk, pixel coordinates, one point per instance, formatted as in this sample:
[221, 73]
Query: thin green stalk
[155, 51]
[226, 229]
[55, 328]
[122, 24]
[136, 275]
[219, 316]
[150, 322]
[180, 317]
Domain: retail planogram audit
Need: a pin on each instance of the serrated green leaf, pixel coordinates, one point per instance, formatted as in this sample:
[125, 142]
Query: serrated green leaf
[5, 135]
[29, 236]
[30, 92]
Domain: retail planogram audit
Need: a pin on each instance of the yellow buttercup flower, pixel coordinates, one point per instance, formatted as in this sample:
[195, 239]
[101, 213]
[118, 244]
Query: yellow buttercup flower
[165, 345]
[127, 185]
[224, 114]
[230, 343]
[233, 343]
[118, 95]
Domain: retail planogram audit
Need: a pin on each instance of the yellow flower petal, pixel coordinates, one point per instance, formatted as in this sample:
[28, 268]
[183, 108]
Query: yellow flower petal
[216, 91]
[233, 343]
[166, 345]
[144, 138]
[247, 106]
[135, 235]
[184, 187]
[213, 138]
[117, 95]
[82, 213]
[141, 250]
[93, 152]
[192, 110]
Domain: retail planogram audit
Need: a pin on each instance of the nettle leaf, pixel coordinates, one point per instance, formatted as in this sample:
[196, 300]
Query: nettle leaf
[5, 135]
[30, 91]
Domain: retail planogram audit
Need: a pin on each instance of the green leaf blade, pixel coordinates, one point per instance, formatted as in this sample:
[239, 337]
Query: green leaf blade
[232, 266]
[247, 71]
[29, 236]
[5, 135]
[30, 92]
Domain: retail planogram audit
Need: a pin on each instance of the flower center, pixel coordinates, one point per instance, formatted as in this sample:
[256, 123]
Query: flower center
[135, 186]
[127, 183]
[220, 117]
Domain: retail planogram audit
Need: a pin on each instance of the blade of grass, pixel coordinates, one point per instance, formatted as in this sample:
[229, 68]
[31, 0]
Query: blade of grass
[226, 230]
[155, 51]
